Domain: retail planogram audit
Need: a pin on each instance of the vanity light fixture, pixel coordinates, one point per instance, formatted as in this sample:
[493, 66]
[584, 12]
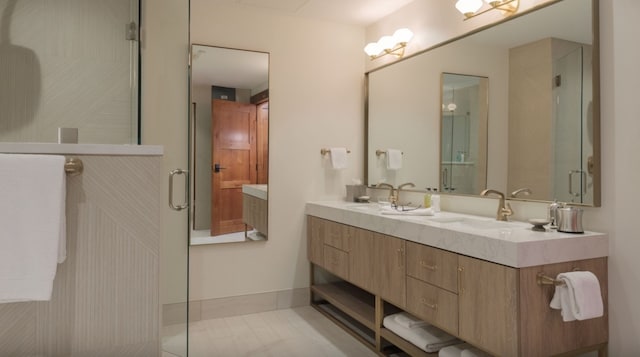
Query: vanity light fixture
[470, 8]
[389, 45]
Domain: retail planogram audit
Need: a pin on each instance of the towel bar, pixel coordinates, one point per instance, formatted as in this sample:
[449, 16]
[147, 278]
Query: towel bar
[73, 166]
[382, 152]
[542, 279]
[328, 151]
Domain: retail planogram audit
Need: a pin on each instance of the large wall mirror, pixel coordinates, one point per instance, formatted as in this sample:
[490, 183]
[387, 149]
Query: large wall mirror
[542, 87]
[229, 145]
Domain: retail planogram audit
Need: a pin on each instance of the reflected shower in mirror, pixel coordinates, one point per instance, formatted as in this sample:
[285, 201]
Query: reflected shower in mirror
[229, 145]
[463, 144]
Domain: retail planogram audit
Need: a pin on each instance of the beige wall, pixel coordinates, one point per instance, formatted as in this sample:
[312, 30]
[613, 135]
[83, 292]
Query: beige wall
[316, 101]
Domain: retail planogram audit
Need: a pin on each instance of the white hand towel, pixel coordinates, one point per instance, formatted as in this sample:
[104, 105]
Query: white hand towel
[394, 159]
[428, 337]
[580, 298]
[387, 210]
[408, 321]
[32, 237]
[338, 158]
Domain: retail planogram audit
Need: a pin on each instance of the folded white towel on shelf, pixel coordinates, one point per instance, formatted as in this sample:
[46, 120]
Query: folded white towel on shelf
[408, 321]
[426, 337]
[453, 350]
[579, 298]
[471, 351]
[408, 211]
[394, 159]
[338, 158]
[32, 237]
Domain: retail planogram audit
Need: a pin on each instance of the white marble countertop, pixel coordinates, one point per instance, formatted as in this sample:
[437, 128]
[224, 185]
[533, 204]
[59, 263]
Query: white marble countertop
[81, 149]
[259, 191]
[509, 243]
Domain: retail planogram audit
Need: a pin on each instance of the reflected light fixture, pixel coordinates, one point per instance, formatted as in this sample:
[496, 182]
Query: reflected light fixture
[470, 8]
[389, 45]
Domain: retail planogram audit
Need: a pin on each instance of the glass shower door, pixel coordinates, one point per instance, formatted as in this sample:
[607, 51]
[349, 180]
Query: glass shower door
[570, 169]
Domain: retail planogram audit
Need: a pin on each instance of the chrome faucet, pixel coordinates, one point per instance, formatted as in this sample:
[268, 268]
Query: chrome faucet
[408, 184]
[392, 192]
[525, 191]
[504, 208]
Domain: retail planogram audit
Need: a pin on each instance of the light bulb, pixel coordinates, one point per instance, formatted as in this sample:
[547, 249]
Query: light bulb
[468, 7]
[372, 49]
[386, 42]
[403, 35]
[452, 107]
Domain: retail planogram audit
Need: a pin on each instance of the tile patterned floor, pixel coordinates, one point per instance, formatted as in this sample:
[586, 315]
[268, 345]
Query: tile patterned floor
[299, 331]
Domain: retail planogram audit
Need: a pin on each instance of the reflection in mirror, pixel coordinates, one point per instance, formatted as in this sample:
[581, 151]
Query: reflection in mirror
[229, 145]
[551, 121]
[544, 113]
[463, 144]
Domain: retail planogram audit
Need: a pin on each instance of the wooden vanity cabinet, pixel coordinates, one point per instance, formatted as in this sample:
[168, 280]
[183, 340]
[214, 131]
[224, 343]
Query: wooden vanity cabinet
[499, 309]
[488, 306]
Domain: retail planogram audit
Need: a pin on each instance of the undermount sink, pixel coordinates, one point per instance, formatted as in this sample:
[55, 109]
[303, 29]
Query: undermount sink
[475, 223]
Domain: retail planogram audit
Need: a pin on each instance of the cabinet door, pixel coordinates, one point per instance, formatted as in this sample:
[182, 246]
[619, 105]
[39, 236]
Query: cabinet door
[488, 306]
[315, 239]
[362, 259]
[390, 268]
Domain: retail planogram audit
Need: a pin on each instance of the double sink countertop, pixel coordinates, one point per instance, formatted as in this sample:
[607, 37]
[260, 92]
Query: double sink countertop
[513, 244]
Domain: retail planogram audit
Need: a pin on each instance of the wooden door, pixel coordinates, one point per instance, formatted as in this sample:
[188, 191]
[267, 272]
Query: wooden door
[488, 306]
[234, 162]
[262, 113]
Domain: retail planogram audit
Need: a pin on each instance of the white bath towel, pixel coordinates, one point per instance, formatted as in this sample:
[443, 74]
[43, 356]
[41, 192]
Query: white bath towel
[32, 221]
[427, 337]
[408, 321]
[394, 159]
[580, 298]
[338, 158]
[388, 210]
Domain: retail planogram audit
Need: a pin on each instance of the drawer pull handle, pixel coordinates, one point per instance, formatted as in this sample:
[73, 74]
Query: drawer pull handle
[428, 266]
[428, 304]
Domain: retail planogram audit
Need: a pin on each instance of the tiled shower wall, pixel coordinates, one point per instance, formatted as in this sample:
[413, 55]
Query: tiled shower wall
[106, 294]
[67, 63]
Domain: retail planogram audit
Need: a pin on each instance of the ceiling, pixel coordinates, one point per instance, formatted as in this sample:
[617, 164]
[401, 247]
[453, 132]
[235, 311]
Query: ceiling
[355, 12]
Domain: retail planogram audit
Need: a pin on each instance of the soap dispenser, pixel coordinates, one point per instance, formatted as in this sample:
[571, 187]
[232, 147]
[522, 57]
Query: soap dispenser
[552, 214]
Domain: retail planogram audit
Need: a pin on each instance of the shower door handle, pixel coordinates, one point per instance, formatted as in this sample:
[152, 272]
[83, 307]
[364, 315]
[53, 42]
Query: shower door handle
[185, 204]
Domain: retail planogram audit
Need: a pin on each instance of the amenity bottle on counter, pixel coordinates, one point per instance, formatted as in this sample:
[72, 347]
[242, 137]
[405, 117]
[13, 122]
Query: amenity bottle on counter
[432, 199]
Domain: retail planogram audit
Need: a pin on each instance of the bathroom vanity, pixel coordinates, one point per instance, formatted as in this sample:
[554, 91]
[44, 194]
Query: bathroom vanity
[255, 207]
[473, 277]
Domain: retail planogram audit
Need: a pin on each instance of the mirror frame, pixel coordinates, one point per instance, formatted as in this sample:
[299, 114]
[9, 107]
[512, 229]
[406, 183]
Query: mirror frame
[595, 27]
[191, 144]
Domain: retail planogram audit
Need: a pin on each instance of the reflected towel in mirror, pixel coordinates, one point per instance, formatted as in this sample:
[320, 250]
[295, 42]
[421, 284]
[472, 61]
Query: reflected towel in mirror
[394, 159]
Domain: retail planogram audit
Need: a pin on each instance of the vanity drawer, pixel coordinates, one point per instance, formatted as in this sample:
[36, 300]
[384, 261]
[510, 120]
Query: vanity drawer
[337, 235]
[336, 261]
[432, 304]
[432, 265]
